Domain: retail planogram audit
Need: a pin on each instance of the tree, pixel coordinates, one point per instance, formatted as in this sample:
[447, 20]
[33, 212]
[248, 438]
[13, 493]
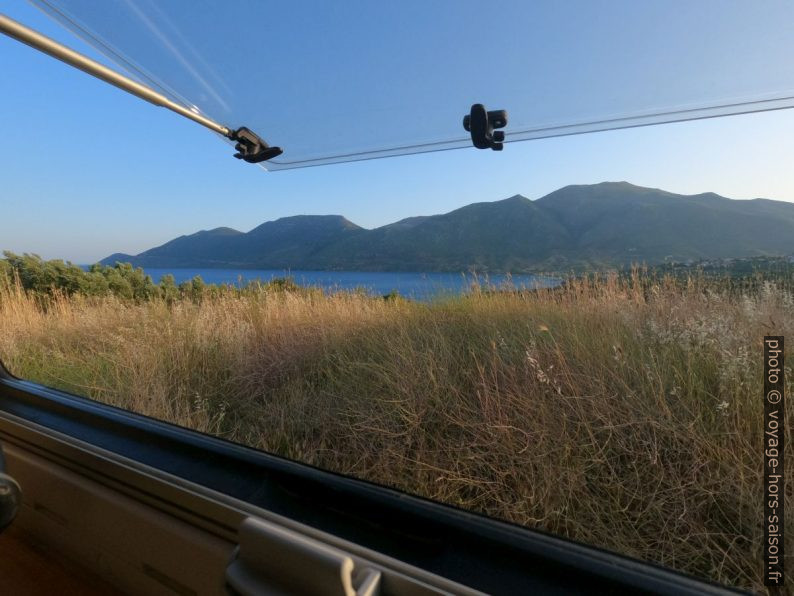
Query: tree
[168, 289]
[193, 289]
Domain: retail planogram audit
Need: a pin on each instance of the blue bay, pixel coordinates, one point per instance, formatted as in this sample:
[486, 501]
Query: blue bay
[419, 286]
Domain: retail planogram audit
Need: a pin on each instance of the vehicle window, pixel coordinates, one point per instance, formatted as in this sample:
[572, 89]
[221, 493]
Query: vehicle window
[567, 335]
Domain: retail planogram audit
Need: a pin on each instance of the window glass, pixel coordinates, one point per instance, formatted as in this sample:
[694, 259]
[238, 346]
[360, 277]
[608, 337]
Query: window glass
[583, 358]
[380, 79]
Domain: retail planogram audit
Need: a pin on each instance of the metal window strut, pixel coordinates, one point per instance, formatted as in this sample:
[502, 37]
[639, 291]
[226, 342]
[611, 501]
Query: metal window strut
[250, 147]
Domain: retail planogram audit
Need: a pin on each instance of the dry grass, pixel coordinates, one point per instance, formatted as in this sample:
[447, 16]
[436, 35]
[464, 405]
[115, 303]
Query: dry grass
[623, 418]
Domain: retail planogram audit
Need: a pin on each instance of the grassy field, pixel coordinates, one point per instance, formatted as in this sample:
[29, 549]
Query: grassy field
[624, 413]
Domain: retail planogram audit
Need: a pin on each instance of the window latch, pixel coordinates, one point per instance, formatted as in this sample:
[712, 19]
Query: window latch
[272, 559]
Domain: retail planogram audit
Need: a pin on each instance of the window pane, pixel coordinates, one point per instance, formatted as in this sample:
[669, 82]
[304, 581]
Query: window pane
[427, 342]
[353, 80]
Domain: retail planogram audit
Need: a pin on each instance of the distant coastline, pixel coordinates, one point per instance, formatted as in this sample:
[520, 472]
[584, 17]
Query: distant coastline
[417, 285]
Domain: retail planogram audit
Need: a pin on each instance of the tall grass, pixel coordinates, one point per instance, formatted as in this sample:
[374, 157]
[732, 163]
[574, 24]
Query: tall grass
[621, 412]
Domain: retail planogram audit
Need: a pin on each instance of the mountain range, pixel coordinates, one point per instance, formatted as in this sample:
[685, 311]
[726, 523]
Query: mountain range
[579, 226]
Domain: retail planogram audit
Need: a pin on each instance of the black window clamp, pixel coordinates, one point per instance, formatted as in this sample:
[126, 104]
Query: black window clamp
[481, 124]
[251, 148]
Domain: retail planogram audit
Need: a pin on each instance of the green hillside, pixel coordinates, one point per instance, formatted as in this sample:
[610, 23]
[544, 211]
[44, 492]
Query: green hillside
[607, 224]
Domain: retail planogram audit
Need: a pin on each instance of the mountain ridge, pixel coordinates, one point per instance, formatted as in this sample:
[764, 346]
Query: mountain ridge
[576, 226]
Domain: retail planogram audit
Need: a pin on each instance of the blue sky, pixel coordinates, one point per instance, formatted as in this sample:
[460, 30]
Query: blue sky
[88, 170]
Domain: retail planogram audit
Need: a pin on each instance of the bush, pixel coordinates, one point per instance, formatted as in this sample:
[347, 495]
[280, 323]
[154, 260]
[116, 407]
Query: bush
[48, 278]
